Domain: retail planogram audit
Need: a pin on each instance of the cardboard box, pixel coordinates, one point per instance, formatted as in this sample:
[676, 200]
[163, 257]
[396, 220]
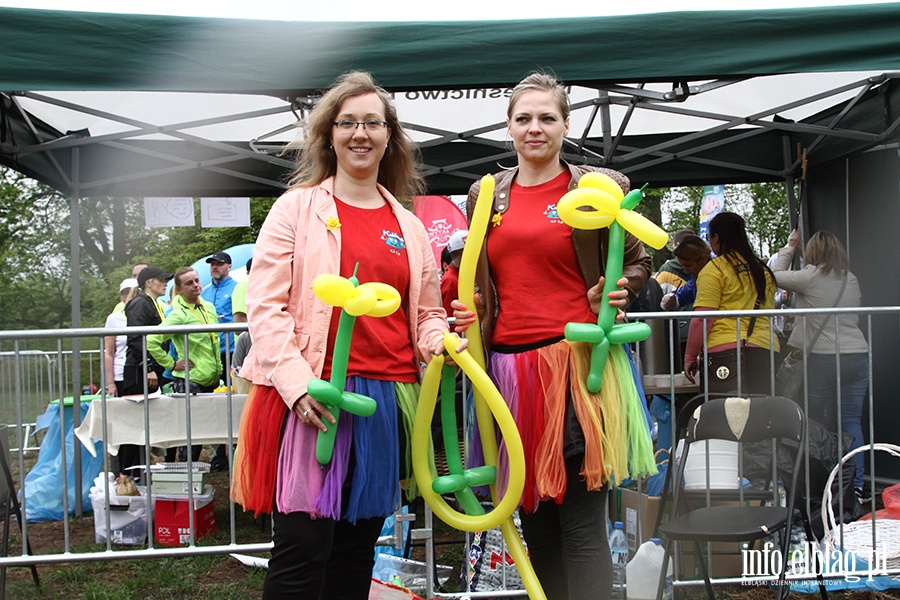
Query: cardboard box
[638, 514]
[171, 520]
[726, 560]
[176, 483]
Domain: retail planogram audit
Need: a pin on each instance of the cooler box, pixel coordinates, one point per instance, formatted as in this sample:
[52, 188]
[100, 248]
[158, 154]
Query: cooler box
[171, 519]
[172, 478]
[127, 518]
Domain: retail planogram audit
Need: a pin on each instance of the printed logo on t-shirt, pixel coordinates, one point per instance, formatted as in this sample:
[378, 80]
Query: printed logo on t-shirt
[394, 241]
[552, 214]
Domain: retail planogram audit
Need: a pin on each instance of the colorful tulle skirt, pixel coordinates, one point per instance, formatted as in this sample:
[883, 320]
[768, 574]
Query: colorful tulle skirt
[276, 464]
[539, 386]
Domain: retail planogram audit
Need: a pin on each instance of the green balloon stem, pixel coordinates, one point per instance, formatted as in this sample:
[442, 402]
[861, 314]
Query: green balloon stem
[460, 480]
[332, 393]
[606, 331]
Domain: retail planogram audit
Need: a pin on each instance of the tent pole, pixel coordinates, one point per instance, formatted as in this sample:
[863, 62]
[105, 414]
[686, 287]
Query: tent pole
[789, 181]
[74, 211]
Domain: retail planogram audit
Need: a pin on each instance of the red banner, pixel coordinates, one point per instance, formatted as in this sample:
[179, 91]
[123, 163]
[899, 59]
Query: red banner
[441, 217]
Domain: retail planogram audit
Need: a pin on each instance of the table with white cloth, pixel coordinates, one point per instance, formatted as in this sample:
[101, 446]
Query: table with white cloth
[167, 421]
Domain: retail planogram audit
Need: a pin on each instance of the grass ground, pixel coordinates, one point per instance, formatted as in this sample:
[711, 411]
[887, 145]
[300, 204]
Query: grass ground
[221, 577]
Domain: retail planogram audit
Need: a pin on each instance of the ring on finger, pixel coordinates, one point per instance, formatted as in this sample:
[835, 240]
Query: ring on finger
[306, 412]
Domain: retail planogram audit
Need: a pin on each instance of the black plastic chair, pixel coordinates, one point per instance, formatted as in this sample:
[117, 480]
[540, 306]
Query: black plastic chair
[743, 420]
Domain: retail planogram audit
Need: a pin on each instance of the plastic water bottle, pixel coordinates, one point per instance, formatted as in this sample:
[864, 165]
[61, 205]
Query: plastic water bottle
[643, 572]
[618, 547]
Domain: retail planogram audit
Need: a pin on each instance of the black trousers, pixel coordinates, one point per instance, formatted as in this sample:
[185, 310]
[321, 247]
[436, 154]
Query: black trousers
[321, 558]
[568, 542]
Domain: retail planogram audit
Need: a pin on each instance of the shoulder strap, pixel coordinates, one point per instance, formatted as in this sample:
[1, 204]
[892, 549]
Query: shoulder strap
[821, 327]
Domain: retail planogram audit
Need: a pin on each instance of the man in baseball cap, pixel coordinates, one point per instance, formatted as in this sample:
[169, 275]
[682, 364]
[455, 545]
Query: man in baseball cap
[218, 292]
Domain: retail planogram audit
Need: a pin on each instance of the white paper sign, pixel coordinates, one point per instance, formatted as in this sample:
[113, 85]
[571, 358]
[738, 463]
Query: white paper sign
[169, 212]
[225, 212]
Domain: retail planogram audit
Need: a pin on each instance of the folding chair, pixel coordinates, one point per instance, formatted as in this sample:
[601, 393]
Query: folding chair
[743, 420]
[9, 507]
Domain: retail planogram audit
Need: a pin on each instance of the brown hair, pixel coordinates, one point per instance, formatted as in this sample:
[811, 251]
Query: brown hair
[178, 275]
[692, 247]
[541, 81]
[827, 252]
[399, 168]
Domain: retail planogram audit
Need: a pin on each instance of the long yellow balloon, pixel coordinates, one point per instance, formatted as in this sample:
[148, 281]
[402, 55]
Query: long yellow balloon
[499, 410]
[478, 225]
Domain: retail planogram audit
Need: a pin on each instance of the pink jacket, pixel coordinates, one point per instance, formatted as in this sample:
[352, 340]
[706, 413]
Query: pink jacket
[288, 324]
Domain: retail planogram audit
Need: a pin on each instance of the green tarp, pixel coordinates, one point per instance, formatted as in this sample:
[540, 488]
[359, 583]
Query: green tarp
[50, 50]
[58, 51]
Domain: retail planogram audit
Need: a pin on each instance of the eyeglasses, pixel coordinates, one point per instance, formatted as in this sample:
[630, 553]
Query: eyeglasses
[368, 125]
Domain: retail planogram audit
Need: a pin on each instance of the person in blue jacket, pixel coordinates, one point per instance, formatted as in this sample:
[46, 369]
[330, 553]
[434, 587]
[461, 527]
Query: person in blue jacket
[219, 292]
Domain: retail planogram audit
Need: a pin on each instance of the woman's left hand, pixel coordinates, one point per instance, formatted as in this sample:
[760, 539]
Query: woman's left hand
[461, 345]
[618, 298]
[691, 368]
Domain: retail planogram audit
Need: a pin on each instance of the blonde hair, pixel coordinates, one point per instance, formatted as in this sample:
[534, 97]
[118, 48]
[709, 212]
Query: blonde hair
[131, 294]
[541, 81]
[827, 252]
[399, 168]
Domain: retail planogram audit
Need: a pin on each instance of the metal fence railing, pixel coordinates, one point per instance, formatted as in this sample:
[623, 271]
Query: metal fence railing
[32, 376]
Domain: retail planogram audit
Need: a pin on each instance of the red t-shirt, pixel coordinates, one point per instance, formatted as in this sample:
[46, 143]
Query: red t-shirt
[449, 288]
[539, 285]
[380, 347]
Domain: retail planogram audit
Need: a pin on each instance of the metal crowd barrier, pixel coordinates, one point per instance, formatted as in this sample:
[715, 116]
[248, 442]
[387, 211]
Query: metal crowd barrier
[31, 377]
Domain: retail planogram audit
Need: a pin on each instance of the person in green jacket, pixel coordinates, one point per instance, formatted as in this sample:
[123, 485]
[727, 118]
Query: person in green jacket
[204, 363]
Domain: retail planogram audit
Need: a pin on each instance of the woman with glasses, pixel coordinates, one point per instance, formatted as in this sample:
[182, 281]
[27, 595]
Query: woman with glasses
[341, 210]
[536, 275]
[735, 280]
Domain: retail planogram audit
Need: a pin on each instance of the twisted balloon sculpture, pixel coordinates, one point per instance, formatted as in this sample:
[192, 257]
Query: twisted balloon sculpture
[372, 299]
[489, 405]
[609, 207]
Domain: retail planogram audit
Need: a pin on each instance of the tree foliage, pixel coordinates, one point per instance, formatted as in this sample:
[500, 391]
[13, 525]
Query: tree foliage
[35, 243]
[35, 251]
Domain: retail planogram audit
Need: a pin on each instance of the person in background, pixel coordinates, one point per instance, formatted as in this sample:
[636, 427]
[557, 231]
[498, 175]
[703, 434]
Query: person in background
[114, 345]
[243, 343]
[673, 272]
[201, 363]
[450, 280]
[693, 253]
[539, 274]
[142, 310]
[219, 293]
[735, 280]
[239, 297]
[445, 261]
[340, 211]
[135, 270]
[826, 282]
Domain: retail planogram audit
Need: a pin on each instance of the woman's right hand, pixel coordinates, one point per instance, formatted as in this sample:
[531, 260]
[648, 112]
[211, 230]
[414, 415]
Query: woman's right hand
[465, 317]
[313, 413]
